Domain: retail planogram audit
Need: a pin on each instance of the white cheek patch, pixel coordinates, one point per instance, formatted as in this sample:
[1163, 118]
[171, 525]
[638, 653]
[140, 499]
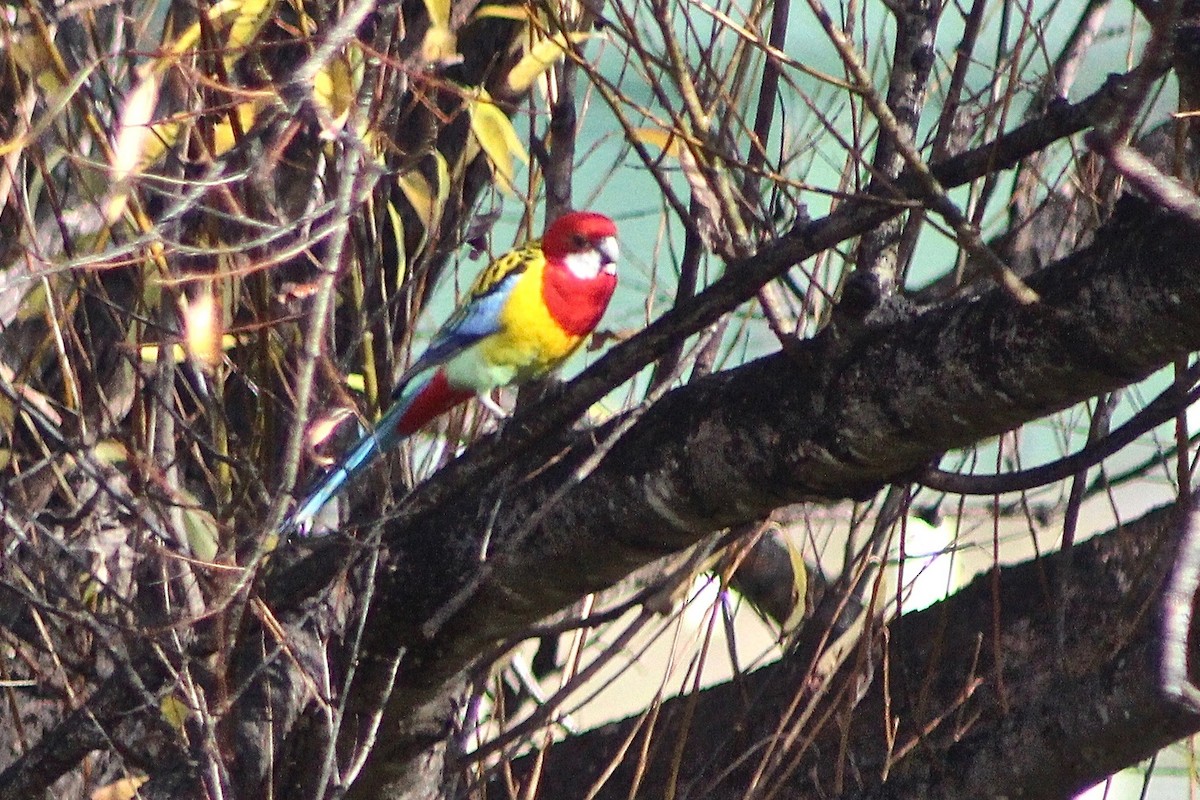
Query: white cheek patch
[585, 265]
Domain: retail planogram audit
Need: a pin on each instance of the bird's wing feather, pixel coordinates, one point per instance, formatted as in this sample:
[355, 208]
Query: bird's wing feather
[478, 316]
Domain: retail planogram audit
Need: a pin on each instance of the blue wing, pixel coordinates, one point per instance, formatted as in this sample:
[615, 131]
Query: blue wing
[479, 314]
[479, 317]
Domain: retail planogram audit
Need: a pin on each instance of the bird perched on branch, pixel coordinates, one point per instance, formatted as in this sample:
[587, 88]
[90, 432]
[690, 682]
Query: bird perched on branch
[525, 314]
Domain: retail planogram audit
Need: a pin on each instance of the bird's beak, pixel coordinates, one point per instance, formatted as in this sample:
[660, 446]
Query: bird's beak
[609, 253]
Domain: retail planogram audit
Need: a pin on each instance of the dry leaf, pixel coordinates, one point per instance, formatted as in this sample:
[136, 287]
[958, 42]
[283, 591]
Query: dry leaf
[495, 134]
[544, 54]
[134, 134]
[202, 328]
[124, 789]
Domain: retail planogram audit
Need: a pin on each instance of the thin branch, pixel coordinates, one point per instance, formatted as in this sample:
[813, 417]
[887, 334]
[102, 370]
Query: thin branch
[1159, 411]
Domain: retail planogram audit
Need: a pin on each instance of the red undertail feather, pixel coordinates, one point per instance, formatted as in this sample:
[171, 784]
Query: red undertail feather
[434, 399]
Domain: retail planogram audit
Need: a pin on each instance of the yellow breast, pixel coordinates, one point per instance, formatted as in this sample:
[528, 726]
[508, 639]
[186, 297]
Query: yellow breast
[529, 341]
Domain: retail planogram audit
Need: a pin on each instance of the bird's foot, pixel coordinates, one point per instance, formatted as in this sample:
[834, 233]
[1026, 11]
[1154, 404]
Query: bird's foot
[495, 408]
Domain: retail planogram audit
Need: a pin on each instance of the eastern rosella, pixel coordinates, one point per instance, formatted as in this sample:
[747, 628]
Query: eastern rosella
[525, 314]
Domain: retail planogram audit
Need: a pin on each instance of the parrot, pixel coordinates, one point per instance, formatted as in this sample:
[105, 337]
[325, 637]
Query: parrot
[526, 312]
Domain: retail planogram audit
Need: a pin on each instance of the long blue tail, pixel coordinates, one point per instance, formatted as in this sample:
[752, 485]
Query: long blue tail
[362, 455]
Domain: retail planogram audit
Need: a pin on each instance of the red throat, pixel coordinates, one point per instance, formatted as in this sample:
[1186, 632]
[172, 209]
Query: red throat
[576, 304]
[434, 399]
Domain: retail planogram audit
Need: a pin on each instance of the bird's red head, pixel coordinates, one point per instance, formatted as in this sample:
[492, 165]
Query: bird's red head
[581, 256]
[583, 241]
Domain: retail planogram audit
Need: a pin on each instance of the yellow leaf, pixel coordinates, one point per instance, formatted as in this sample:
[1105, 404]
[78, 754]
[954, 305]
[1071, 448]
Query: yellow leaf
[442, 171]
[398, 236]
[110, 451]
[440, 46]
[124, 789]
[33, 305]
[469, 152]
[427, 201]
[799, 585]
[439, 13]
[191, 35]
[174, 711]
[162, 138]
[187, 40]
[202, 533]
[134, 135]
[543, 55]
[334, 91]
[250, 18]
[28, 51]
[496, 11]
[419, 195]
[496, 135]
[57, 98]
[223, 135]
[667, 141]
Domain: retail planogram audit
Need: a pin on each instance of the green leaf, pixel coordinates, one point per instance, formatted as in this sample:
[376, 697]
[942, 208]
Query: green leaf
[201, 530]
[174, 711]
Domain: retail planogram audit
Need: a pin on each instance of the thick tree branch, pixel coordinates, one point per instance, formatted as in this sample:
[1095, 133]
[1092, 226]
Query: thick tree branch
[1063, 730]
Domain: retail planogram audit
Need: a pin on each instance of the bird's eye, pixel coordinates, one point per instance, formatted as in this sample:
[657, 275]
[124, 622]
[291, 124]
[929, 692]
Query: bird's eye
[579, 242]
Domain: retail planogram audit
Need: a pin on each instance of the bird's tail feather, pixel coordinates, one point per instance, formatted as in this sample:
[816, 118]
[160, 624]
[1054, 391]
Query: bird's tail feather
[360, 456]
